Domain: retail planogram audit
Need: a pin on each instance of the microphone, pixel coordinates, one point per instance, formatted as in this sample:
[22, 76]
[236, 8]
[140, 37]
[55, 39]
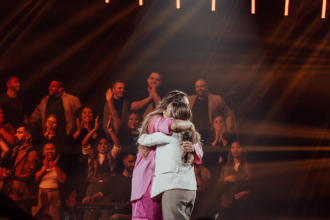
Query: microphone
[186, 137]
[230, 93]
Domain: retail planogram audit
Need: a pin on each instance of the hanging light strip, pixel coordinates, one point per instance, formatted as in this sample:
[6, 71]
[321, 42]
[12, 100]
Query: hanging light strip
[324, 7]
[286, 10]
[106, 1]
[213, 5]
[140, 2]
[253, 6]
[177, 4]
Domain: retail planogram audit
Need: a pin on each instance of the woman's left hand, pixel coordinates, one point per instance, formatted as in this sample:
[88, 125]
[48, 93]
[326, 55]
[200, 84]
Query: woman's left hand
[187, 146]
[55, 161]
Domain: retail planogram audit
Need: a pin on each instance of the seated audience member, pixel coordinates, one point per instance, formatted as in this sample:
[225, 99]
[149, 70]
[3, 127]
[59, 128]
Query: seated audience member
[128, 136]
[205, 106]
[119, 187]
[145, 101]
[12, 104]
[59, 103]
[50, 132]
[116, 106]
[220, 140]
[235, 182]
[7, 131]
[49, 178]
[101, 166]
[22, 164]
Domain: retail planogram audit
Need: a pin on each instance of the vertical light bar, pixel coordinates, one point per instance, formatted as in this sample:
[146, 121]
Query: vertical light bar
[106, 1]
[253, 6]
[140, 2]
[324, 7]
[286, 10]
[213, 5]
[177, 4]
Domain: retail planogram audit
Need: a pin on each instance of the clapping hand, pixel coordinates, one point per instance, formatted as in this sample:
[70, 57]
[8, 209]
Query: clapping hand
[80, 125]
[97, 123]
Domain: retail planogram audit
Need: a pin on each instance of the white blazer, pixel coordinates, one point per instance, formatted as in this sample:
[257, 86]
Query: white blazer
[170, 173]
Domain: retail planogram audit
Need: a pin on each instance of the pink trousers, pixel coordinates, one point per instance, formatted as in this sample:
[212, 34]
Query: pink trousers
[146, 208]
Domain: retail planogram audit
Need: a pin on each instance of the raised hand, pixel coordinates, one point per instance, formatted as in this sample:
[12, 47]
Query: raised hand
[55, 161]
[72, 199]
[109, 95]
[97, 123]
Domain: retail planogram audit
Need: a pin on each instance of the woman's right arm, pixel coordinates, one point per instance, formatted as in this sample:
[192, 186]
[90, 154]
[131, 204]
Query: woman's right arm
[40, 173]
[157, 138]
[180, 125]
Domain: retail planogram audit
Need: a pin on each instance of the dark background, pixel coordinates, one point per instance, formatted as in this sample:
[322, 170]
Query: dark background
[278, 67]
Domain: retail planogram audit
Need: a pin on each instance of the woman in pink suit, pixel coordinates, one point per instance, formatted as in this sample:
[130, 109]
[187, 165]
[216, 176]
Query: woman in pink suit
[145, 208]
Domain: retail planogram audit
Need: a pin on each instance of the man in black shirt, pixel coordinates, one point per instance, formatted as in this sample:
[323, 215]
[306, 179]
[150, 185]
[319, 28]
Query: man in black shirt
[119, 187]
[205, 107]
[58, 102]
[145, 101]
[116, 106]
[12, 105]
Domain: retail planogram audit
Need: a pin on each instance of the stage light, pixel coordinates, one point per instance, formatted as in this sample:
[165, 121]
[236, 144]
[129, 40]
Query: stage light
[253, 6]
[177, 4]
[140, 2]
[213, 5]
[324, 7]
[286, 10]
[106, 1]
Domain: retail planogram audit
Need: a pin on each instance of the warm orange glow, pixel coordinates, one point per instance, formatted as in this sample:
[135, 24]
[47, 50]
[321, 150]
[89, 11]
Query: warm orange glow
[140, 2]
[177, 4]
[324, 7]
[253, 6]
[286, 10]
[213, 5]
[106, 1]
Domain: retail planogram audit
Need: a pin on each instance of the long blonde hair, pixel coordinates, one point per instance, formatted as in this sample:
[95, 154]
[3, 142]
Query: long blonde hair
[174, 95]
[181, 110]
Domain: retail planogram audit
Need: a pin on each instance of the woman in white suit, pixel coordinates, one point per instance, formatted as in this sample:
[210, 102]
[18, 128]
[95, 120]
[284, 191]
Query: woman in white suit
[174, 179]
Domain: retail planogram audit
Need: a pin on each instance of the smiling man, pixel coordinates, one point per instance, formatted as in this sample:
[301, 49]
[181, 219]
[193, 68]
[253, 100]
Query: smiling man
[145, 101]
[116, 106]
[22, 165]
[58, 102]
[205, 106]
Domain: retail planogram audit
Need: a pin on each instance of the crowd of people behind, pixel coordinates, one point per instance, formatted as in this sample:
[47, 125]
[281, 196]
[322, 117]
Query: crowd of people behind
[63, 148]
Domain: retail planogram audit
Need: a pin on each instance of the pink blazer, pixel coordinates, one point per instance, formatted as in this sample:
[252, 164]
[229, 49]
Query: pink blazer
[145, 167]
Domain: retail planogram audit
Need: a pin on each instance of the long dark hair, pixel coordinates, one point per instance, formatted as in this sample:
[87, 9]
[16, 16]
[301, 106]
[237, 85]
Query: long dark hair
[244, 163]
